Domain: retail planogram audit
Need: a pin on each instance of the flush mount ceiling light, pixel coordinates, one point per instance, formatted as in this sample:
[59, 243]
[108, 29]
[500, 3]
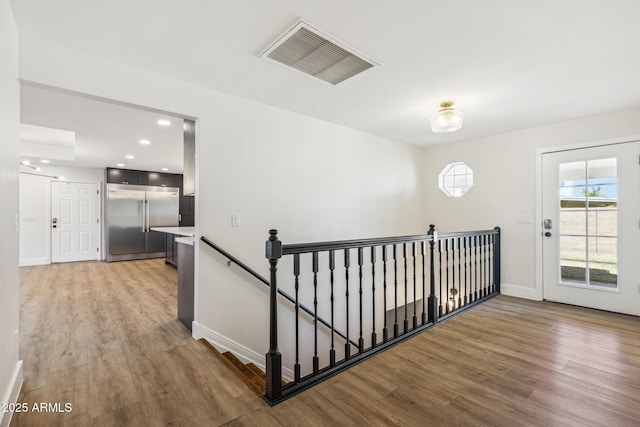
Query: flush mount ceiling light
[309, 50]
[447, 119]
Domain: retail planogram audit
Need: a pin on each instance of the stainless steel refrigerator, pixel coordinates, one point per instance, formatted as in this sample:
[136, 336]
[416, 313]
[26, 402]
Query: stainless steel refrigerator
[131, 211]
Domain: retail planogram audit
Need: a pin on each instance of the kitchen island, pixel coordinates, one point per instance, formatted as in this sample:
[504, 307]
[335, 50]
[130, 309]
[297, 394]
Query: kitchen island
[180, 255]
[172, 233]
[185, 280]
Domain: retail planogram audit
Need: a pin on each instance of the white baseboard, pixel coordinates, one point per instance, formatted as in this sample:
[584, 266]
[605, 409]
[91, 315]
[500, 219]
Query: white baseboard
[12, 393]
[520, 292]
[34, 261]
[222, 343]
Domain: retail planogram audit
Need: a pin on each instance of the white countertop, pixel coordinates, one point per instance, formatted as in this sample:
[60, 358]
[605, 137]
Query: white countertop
[181, 231]
[185, 240]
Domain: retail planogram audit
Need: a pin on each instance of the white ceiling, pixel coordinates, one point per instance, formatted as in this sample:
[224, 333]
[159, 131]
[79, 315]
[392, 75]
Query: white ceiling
[508, 64]
[104, 132]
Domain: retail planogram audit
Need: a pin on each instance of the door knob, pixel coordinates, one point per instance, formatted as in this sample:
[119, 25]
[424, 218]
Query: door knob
[547, 234]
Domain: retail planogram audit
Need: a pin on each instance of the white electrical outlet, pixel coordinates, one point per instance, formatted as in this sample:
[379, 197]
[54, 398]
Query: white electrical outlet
[235, 220]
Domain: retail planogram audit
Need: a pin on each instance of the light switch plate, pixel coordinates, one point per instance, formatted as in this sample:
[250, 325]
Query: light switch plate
[524, 219]
[235, 220]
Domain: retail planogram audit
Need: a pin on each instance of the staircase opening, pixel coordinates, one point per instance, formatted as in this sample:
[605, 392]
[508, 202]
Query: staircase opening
[354, 298]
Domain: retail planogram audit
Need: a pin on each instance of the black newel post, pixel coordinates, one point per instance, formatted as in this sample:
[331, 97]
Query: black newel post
[433, 300]
[496, 260]
[273, 357]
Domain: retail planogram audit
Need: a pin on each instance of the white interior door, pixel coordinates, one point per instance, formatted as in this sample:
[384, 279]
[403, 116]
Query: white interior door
[591, 227]
[75, 228]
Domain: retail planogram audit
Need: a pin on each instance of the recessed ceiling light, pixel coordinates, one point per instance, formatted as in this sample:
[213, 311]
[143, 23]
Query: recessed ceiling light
[61, 178]
[165, 169]
[38, 169]
[121, 165]
[26, 162]
[164, 122]
[129, 156]
[45, 161]
[145, 142]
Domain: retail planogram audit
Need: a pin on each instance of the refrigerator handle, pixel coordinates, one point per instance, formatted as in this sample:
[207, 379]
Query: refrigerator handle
[144, 217]
[147, 216]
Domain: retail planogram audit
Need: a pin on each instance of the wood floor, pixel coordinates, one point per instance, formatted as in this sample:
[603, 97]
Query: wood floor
[104, 337]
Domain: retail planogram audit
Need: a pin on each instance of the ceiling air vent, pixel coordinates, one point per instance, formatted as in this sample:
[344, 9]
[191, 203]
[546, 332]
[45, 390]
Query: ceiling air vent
[309, 50]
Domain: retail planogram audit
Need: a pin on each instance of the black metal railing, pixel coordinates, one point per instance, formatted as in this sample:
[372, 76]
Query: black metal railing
[249, 270]
[423, 279]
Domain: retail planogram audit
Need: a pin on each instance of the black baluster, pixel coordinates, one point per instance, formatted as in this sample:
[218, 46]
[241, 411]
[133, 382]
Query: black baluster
[415, 308]
[347, 264]
[475, 265]
[385, 331]
[316, 360]
[424, 295]
[492, 242]
[442, 300]
[496, 260]
[332, 266]
[481, 276]
[483, 249]
[446, 253]
[454, 289]
[433, 299]
[406, 295]
[296, 274]
[374, 338]
[486, 265]
[459, 273]
[360, 262]
[466, 291]
[482, 284]
[395, 291]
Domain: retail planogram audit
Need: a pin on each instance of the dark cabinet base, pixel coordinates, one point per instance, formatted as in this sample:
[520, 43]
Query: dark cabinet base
[172, 250]
[185, 284]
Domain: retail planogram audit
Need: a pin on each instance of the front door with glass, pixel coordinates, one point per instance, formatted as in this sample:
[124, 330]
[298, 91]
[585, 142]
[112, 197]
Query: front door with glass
[591, 228]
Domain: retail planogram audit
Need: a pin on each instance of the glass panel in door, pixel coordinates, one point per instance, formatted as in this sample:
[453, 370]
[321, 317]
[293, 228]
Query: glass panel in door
[588, 200]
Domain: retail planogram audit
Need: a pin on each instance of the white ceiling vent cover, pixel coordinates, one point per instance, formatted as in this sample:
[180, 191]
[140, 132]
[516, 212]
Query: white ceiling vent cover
[307, 49]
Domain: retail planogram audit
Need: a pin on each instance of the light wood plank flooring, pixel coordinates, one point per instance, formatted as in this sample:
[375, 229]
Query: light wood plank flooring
[104, 337]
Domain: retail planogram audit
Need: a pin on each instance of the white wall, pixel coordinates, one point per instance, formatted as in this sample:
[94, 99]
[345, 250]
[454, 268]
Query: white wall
[310, 179]
[505, 186]
[10, 367]
[34, 224]
[35, 208]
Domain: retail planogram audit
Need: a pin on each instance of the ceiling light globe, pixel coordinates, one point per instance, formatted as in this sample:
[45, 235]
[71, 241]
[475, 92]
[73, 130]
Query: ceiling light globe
[446, 119]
